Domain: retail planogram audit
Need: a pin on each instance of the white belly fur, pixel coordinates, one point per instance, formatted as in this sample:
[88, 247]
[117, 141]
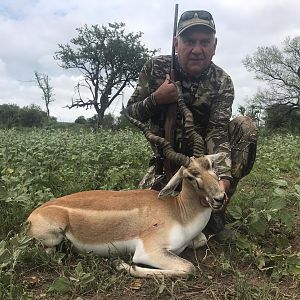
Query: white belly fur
[179, 238]
[117, 247]
[181, 235]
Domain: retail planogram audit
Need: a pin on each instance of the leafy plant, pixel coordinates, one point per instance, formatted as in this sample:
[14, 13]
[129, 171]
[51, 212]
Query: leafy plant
[38, 165]
[265, 220]
[76, 282]
[11, 252]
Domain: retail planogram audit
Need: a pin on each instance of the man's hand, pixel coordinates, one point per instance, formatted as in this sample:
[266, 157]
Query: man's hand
[225, 184]
[166, 93]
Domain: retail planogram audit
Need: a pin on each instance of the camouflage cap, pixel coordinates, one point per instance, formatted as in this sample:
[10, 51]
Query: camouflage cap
[193, 18]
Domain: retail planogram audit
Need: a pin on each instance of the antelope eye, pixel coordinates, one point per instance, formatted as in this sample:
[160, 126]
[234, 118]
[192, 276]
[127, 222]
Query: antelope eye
[189, 177]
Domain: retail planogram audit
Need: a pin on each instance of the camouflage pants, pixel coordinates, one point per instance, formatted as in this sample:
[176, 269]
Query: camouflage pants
[243, 140]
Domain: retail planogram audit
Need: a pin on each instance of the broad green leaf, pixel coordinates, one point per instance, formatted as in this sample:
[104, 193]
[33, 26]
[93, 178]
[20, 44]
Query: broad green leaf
[287, 218]
[280, 182]
[293, 263]
[2, 244]
[243, 243]
[276, 203]
[295, 270]
[254, 218]
[279, 192]
[236, 212]
[283, 242]
[297, 188]
[86, 279]
[79, 269]
[258, 226]
[5, 258]
[61, 285]
[23, 198]
[259, 203]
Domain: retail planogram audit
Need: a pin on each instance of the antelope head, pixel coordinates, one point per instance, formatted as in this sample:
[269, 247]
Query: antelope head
[199, 177]
[196, 171]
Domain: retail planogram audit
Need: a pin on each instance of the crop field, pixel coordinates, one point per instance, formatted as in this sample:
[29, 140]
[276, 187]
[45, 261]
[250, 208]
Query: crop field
[262, 262]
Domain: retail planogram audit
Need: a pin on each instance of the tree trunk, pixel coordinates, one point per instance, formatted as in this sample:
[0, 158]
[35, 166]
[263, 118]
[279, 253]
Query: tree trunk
[100, 116]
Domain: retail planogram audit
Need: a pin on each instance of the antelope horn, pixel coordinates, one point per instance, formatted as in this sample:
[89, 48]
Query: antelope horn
[192, 135]
[169, 152]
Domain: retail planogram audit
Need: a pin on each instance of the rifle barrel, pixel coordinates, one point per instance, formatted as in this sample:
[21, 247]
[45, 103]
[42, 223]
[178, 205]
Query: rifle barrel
[173, 44]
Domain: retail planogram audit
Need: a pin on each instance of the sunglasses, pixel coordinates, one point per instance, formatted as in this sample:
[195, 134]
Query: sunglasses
[200, 14]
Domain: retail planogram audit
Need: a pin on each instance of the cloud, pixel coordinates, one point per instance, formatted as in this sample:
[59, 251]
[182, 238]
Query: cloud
[31, 30]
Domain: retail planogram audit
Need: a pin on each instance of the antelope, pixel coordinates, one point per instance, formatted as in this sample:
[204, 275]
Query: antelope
[155, 227]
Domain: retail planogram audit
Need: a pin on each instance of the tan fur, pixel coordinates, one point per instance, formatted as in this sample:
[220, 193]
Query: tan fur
[134, 221]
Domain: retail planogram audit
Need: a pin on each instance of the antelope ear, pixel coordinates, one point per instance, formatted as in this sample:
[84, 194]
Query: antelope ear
[172, 184]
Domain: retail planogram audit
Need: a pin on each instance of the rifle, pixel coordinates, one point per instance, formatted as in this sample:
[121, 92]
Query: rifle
[167, 119]
[171, 109]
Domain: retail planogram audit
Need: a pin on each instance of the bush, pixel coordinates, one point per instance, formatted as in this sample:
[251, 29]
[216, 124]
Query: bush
[40, 164]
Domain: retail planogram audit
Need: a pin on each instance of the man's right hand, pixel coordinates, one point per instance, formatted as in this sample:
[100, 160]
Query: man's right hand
[166, 93]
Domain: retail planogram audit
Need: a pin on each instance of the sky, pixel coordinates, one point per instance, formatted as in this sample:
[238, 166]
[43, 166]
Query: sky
[30, 31]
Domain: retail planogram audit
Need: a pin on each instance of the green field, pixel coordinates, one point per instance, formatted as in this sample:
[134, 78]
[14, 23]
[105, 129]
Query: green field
[35, 166]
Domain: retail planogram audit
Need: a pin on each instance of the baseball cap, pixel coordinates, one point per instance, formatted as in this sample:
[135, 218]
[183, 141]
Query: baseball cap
[195, 17]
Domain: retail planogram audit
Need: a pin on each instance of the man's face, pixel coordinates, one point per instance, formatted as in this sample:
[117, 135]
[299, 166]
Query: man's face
[195, 48]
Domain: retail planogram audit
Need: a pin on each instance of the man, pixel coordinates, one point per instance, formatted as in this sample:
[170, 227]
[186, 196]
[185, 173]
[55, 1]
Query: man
[208, 92]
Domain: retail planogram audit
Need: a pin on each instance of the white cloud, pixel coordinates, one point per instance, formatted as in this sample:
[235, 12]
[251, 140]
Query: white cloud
[31, 29]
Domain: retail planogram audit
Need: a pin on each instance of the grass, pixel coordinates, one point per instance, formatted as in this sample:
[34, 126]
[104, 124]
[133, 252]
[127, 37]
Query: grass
[263, 263]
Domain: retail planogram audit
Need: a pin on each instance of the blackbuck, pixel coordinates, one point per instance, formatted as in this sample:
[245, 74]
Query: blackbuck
[154, 227]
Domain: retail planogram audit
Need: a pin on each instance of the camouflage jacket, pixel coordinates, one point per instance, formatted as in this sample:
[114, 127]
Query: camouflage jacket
[209, 97]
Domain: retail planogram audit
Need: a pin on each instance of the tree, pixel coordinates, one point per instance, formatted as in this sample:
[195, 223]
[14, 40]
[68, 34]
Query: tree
[123, 122]
[109, 121]
[276, 117]
[32, 116]
[43, 82]
[280, 69]
[81, 120]
[108, 59]
[9, 115]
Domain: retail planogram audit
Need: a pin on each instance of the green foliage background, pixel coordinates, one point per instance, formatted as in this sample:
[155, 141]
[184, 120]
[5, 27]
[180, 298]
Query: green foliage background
[40, 164]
